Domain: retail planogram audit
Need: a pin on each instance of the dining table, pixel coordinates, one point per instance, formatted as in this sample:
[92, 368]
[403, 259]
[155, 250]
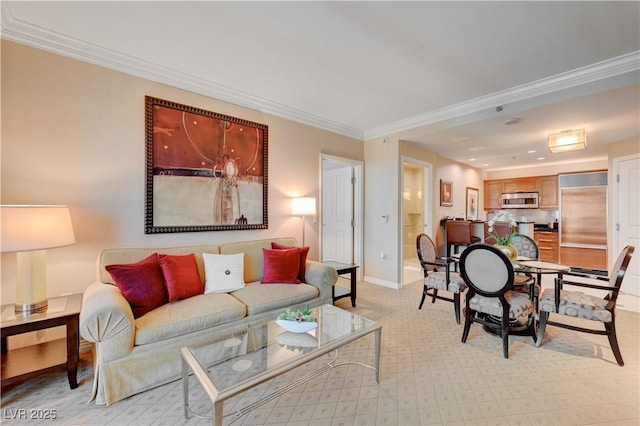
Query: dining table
[540, 268]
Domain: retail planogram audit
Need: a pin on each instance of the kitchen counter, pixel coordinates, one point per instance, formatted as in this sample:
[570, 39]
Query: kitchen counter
[544, 228]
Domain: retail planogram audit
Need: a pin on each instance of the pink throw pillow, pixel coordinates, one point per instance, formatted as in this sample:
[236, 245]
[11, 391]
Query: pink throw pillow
[304, 251]
[141, 283]
[281, 266]
[181, 276]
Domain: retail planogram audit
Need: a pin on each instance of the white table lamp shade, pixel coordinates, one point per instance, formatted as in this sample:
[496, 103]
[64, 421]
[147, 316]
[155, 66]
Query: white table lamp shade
[27, 228]
[29, 231]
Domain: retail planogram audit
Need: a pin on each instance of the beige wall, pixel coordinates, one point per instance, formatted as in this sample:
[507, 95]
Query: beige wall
[381, 186]
[383, 195]
[73, 133]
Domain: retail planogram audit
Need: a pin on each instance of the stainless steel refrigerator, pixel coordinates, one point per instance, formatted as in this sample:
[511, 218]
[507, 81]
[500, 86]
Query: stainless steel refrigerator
[583, 219]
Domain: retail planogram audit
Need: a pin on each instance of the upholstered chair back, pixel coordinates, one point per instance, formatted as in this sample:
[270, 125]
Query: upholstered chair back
[486, 269]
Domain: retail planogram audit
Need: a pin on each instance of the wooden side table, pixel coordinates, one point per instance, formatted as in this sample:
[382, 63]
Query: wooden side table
[64, 310]
[343, 269]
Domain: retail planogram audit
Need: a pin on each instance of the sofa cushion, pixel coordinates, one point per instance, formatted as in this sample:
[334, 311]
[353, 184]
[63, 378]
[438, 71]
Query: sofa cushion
[304, 251]
[180, 276]
[261, 298]
[281, 266]
[128, 255]
[188, 315]
[253, 257]
[141, 283]
[223, 272]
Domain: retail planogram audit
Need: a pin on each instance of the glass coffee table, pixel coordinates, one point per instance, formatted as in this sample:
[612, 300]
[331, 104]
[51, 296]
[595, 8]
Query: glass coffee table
[231, 364]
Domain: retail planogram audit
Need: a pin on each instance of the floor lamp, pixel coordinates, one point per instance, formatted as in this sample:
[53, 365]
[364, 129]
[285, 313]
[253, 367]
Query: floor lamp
[303, 206]
[28, 231]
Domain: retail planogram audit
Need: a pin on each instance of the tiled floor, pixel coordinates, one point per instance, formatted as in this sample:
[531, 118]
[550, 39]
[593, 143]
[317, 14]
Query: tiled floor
[427, 377]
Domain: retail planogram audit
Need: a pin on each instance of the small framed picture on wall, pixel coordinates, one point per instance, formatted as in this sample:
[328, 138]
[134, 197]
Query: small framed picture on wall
[472, 203]
[446, 193]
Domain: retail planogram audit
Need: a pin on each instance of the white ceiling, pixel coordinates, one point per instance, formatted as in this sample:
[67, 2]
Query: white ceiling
[433, 73]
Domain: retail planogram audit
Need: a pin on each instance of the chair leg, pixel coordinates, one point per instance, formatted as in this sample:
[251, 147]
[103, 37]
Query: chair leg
[542, 325]
[613, 341]
[532, 327]
[435, 294]
[424, 295]
[505, 335]
[456, 306]
[467, 324]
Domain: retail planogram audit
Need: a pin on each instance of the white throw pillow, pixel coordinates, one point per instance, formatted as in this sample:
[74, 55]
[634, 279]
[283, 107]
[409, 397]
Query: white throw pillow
[223, 272]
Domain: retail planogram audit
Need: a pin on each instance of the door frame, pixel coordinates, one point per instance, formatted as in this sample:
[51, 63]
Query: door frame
[625, 301]
[615, 213]
[428, 205]
[358, 202]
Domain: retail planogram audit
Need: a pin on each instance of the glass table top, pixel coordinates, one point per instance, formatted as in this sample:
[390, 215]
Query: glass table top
[266, 349]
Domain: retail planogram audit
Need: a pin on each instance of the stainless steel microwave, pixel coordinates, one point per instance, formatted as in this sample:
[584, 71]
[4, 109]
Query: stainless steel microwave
[520, 200]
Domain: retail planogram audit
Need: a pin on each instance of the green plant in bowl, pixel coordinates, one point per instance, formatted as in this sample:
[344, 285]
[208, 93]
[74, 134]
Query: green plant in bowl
[301, 315]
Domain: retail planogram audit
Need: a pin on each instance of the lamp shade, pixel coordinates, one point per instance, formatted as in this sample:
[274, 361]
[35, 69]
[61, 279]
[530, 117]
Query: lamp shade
[303, 206]
[26, 228]
[567, 141]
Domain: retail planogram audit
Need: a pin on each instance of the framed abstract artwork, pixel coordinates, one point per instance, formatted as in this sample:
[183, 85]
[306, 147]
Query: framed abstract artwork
[204, 171]
[446, 193]
[472, 203]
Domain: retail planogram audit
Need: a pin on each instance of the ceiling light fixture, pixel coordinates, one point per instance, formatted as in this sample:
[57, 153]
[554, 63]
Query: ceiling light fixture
[568, 140]
[514, 120]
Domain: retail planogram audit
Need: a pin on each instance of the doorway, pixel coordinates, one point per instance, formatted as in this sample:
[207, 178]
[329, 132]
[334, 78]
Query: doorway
[341, 200]
[416, 215]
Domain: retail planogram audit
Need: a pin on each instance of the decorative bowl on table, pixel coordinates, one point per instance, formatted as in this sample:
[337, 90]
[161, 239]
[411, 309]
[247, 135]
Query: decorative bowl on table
[297, 326]
[299, 321]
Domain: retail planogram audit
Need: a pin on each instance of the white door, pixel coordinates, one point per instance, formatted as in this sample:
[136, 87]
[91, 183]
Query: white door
[627, 226]
[337, 214]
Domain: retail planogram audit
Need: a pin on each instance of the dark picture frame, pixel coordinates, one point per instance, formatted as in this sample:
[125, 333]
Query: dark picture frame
[446, 193]
[471, 206]
[205, 171]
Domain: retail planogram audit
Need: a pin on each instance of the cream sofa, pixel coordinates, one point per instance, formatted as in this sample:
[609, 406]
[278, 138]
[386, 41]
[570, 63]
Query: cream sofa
[134, 355]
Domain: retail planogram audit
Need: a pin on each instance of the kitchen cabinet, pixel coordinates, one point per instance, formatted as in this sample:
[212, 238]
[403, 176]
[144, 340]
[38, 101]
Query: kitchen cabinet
[529, 184]
[492, 194]
[547, 245]
[545, 186]
[548, 192]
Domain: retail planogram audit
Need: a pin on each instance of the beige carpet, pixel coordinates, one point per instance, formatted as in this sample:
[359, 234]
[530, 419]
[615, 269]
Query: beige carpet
[427, 377]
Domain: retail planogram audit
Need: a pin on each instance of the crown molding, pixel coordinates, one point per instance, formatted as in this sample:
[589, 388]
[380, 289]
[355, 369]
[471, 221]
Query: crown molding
[41, 38]
[591, 73]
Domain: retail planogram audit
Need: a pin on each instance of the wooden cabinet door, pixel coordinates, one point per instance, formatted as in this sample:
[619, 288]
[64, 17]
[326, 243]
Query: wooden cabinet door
[547, 245]
[548, 187]
[520, 185]
[492, 194]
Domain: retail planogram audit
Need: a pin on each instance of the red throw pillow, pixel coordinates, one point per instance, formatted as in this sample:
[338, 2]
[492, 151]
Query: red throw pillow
[141, 283]
[281, 266]
[181, 276]
[304, 251]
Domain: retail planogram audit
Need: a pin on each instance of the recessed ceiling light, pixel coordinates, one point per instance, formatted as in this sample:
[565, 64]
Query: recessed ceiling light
[540, 158]
[484, 165]
[531, 151]
[472, 159]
